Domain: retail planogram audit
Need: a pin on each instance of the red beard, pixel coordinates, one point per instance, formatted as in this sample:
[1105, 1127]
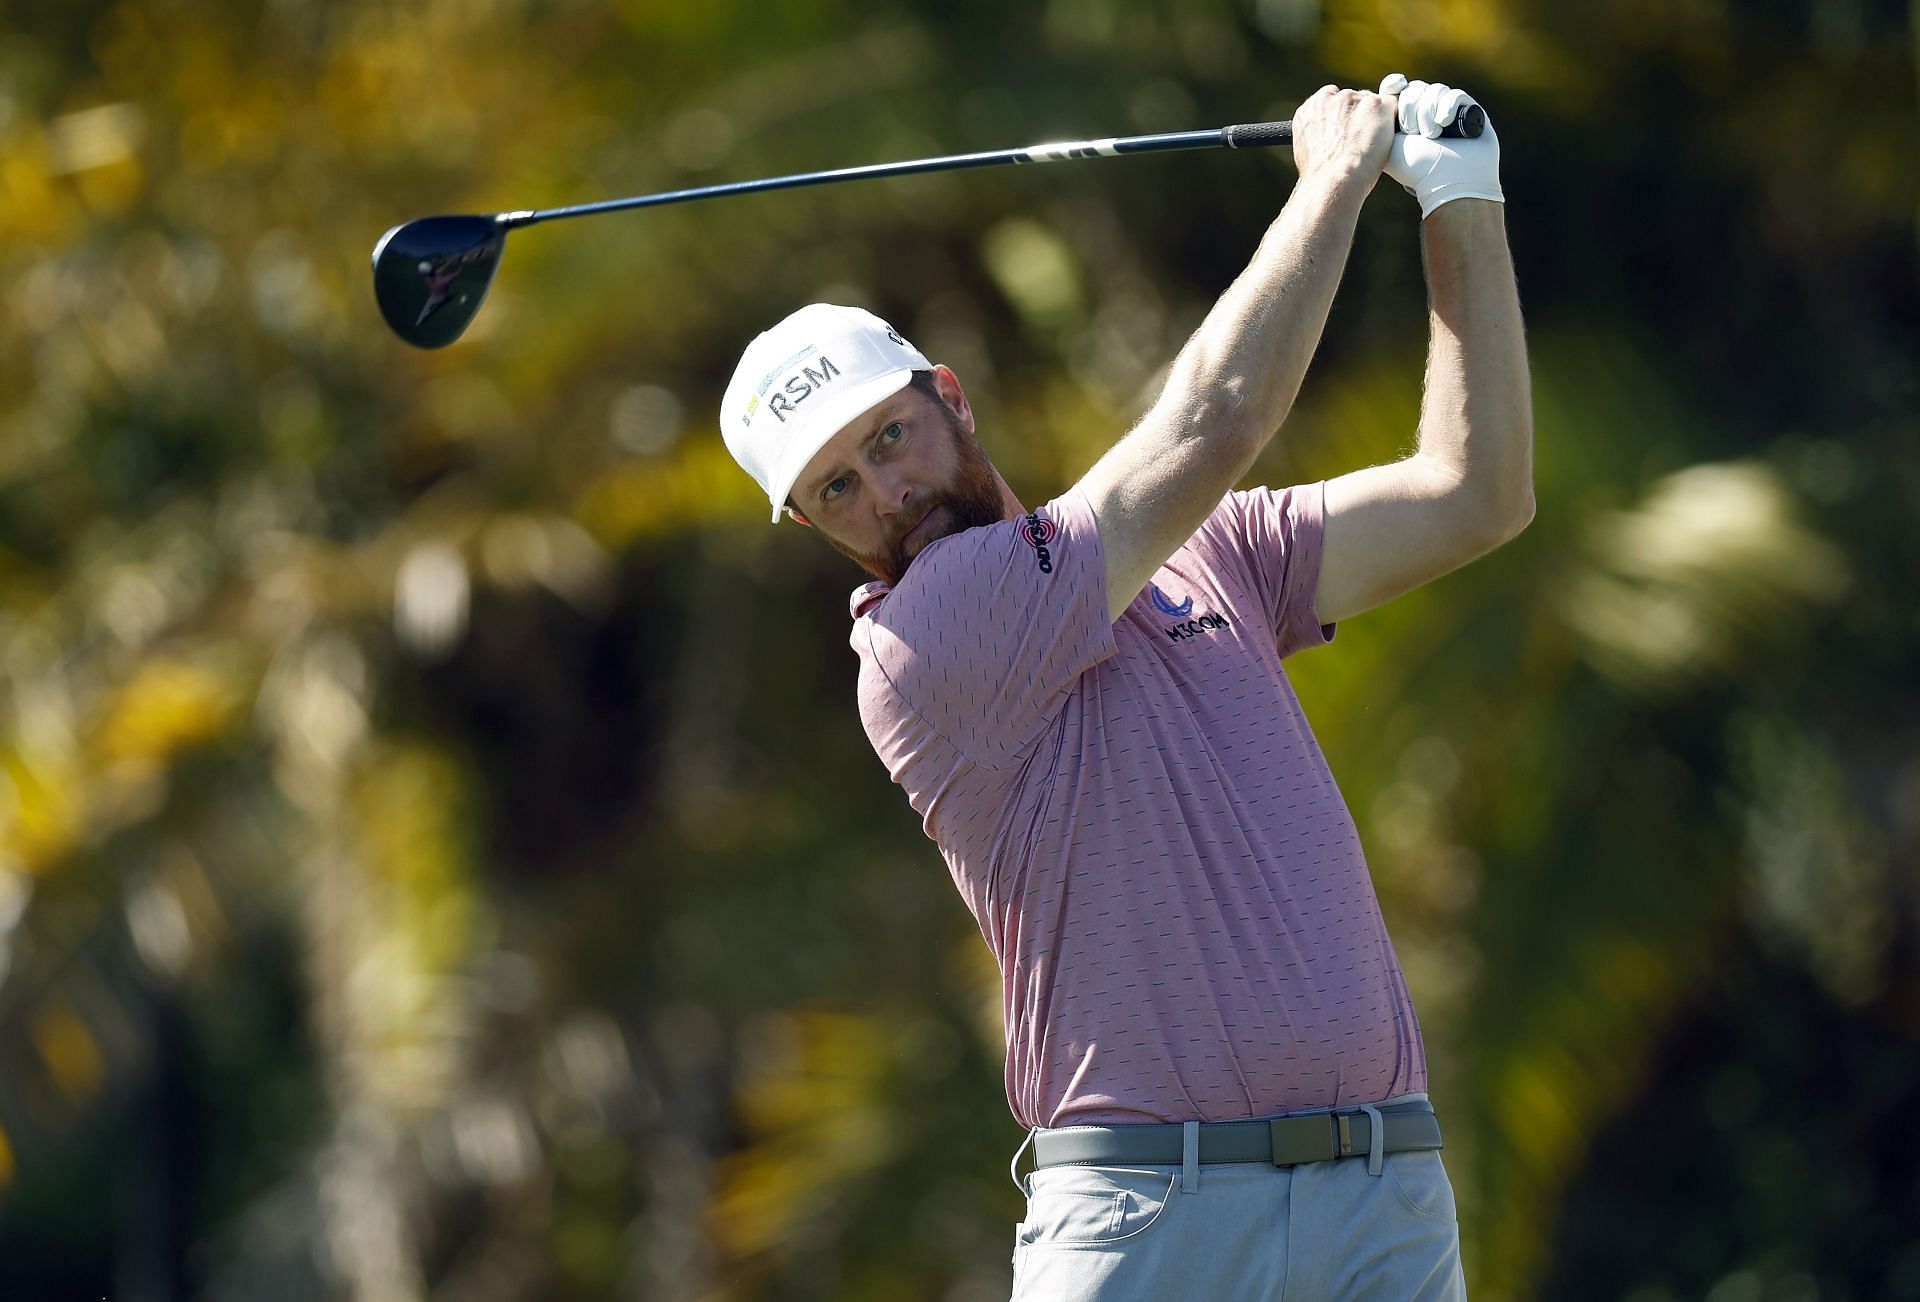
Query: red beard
[972, 501]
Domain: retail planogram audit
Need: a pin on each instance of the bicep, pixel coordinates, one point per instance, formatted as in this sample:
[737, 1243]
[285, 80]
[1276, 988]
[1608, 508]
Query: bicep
[1157, 485]
[1391, 528]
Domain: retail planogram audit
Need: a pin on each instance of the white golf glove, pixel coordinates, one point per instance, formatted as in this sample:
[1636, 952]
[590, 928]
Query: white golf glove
[1433, 170]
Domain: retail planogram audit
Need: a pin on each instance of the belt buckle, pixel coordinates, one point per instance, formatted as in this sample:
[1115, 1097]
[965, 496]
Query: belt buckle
[1295, 1140]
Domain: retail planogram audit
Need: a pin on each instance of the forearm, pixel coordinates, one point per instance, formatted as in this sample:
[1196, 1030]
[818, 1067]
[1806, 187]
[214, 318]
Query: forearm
[1237, 377]
[1233, 383]
[1476, 419]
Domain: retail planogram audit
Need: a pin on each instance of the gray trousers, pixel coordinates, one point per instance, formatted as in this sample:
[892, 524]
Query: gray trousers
[1241, 1232]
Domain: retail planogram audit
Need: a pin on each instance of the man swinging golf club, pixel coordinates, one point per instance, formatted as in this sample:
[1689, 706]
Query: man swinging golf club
[1208, 1033]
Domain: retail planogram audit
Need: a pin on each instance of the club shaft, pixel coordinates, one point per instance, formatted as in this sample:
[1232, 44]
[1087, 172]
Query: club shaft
[1266, 133]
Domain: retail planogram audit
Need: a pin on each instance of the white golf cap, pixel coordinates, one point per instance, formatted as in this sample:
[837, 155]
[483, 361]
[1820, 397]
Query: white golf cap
[802, 382]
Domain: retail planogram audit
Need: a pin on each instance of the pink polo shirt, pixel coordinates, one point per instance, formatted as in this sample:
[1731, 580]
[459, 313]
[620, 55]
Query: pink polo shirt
[1139, 817]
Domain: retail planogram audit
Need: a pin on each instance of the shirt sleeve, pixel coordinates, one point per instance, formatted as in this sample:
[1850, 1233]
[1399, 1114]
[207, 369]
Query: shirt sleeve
[989, 629]
[1279, 532]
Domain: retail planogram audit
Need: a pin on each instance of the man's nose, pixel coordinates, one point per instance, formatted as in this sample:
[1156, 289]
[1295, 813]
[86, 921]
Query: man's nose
[891, 491]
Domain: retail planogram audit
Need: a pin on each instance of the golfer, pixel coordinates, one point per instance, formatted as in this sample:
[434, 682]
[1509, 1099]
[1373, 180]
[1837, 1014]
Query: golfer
[1207, 1031]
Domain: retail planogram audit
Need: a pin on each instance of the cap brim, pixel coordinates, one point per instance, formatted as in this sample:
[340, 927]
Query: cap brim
[818, 426]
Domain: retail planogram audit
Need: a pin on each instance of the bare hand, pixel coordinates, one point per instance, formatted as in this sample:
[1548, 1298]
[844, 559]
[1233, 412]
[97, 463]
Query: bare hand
[1344, 130]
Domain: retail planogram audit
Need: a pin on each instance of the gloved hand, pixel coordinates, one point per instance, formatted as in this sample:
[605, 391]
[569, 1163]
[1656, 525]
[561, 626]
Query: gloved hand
[1433, 170]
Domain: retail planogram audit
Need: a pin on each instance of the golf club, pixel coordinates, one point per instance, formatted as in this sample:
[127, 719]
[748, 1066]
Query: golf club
[431, 275]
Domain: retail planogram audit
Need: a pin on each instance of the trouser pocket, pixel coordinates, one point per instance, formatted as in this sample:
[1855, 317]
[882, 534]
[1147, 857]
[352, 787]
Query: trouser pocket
[1090, 1206]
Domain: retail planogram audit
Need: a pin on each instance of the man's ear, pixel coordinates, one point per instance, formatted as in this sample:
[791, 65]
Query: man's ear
[947, 385]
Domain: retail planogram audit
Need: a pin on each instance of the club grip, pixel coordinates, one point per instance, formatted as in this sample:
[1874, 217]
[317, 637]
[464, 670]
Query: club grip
[1255, 135]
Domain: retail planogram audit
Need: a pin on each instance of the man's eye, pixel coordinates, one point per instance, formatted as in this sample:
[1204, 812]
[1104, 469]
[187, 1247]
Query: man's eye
[893, 433]
[836, 488]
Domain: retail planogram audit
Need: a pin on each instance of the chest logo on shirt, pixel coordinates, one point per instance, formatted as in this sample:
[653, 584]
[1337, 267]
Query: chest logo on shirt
[1038, 533]
[1167, 606]
[1186, 628]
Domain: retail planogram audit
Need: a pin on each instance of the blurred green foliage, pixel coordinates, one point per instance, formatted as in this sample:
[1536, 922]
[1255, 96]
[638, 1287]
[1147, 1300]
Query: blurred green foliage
[438, 856]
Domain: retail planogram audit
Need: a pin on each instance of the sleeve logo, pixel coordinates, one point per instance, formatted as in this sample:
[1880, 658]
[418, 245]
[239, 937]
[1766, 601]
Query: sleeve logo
[1038, 533]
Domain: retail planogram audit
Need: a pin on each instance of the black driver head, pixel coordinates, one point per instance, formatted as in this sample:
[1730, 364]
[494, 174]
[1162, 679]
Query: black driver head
[431, 275]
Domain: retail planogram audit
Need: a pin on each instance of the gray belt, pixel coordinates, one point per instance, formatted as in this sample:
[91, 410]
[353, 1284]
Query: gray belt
[1283, 1141]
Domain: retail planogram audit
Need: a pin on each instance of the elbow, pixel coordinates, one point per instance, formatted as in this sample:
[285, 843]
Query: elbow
[1507, 504]
[1520, 515]
[1497, 521]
